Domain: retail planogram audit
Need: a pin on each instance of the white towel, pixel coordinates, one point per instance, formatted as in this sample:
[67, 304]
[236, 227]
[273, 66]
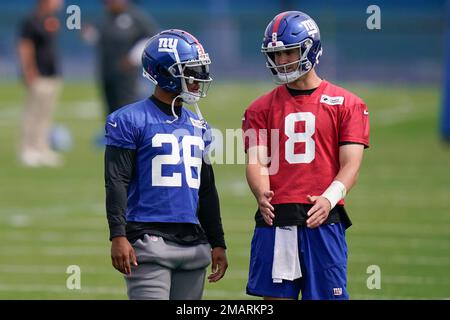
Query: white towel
[286, 262]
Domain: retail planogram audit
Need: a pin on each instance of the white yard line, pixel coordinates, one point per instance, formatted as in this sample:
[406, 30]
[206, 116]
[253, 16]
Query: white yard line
[17, 217]
[114, 291]
[407, 280]
[61, 269]
[61, 236]
[377, 259]
[67, 251]
[56, 236]
[87, 109]
[395, 259]
[49, 269]
[61, 289]
[51, 210]
[212, 294]
[227, 294]
[55, 251]
[403, 227]
[396, 242]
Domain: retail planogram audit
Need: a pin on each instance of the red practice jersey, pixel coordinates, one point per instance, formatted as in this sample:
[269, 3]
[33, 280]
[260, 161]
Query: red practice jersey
[310, 130]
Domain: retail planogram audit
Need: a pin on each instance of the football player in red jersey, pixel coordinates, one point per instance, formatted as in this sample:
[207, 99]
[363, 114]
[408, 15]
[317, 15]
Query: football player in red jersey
[316, 133]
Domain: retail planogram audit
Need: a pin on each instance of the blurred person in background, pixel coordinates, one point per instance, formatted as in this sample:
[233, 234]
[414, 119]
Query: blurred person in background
[41, 75]
[120, 38]
[445, 112]
[321, 132]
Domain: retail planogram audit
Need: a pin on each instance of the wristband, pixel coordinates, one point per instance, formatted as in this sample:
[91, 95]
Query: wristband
[335, 192]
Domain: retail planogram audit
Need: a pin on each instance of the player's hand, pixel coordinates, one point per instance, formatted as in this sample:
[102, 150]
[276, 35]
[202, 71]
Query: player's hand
[89, 33]
[219, 264]
[122, 255]
[266, 208]
[319, 211]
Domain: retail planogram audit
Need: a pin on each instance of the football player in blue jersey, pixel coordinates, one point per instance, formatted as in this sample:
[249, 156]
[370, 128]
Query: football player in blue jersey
[161, 200]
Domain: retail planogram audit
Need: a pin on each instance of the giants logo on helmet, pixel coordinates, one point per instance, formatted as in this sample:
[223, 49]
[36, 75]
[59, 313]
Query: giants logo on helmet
[167, 44]
[311, 27]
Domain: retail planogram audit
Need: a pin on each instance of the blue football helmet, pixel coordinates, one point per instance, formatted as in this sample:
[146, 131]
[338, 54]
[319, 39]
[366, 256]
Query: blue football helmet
[173, 58]
[292, 30]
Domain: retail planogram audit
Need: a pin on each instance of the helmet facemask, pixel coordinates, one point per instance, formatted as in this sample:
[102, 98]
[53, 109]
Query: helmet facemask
[280, 73]
[190, 72]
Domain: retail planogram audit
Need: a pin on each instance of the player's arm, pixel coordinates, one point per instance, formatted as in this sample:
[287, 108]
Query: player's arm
[209, 216]
[350, 158]
[119, 167]
[257, 174]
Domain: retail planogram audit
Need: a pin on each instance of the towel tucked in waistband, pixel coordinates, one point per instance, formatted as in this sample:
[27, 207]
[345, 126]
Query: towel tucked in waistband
[286, 261]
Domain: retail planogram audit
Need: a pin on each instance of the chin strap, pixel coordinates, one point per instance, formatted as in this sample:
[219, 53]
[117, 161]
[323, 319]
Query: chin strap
[199, 114]
[197, 110]
[173, 110]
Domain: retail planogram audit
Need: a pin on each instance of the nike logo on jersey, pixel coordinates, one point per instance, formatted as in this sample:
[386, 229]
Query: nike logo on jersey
[332, 101]
[113, 124]
[366, 113]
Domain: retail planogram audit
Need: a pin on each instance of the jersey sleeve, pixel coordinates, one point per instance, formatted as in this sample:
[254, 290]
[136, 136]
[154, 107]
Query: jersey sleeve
[354, 125]
[255, 128]
[26, 30]
[120, 133]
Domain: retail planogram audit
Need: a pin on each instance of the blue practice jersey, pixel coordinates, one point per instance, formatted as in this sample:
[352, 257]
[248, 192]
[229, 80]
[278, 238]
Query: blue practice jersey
[165, 185]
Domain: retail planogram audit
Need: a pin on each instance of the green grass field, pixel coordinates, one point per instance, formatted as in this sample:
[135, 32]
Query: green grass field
[53, 218]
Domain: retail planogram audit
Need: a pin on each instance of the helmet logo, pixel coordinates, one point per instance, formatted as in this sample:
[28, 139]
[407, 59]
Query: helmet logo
[200, 49]
[308, 66]
[274, 37]
[308, 43]
[311, 27]
[167, 44]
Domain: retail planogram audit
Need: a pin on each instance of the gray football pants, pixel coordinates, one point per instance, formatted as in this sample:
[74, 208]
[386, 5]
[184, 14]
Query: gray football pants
[167, 270]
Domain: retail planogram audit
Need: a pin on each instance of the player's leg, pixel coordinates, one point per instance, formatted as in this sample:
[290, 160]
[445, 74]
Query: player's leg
[157, 258]
[260, 282]
[50, 89]
[149, 281]
[28, 152]
[187, 284]
[151, 278]
[188, 278]
[324, 262]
